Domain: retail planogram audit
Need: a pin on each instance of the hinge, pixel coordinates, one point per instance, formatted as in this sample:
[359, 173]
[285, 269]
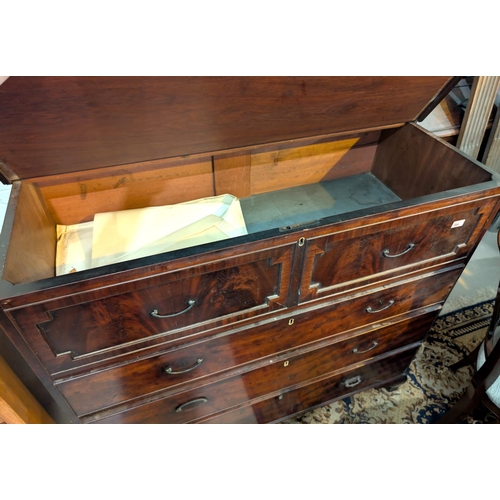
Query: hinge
[299, 225]
[7, 175]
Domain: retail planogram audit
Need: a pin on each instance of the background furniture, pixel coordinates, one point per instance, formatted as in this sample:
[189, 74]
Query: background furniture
[477, 116]
[485, 384]
[17, 404]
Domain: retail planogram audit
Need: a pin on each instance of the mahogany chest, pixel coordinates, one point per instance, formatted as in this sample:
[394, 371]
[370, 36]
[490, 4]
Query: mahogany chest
[357, 224]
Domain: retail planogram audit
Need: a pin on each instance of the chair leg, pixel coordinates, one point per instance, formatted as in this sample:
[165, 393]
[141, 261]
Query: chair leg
[468, 360]
[463, 407]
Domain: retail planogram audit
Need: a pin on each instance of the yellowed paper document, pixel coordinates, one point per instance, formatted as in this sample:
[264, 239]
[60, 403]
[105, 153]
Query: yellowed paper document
[74, 248]
[130, 234]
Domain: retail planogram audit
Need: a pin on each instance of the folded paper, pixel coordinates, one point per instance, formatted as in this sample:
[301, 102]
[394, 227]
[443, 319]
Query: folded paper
[130, 234]
[74, 248]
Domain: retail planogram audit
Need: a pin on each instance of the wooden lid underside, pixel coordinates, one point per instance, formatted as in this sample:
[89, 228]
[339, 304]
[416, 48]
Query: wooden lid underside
[52, 125]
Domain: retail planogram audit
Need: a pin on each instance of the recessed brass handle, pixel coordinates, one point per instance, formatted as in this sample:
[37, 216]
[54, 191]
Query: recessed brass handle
[386, 252]
[370, 310]
[357, 351]
[186, 406]
[191, 303]
[168, 369]
[351, 382]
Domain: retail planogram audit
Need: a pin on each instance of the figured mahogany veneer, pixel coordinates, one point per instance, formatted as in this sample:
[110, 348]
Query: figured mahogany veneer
[291, 402]
[123, 321]
[348, 258]
[201, 402]
[96, 391]
[198, 297]
[360, 222]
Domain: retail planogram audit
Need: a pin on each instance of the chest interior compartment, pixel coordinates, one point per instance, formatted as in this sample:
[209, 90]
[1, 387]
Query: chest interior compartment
[112, 158]
[279, 188]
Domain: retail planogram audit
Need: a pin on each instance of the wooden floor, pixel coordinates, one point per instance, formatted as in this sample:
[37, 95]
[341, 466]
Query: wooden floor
[17, 405]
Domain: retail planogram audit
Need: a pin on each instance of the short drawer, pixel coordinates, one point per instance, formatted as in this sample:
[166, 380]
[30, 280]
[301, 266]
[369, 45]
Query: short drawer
[196, 404]
[107, 388]
[296, 401]
[76, 330]
[347, 259]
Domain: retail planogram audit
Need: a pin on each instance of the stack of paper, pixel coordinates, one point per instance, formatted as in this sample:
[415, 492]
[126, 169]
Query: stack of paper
[130, 234]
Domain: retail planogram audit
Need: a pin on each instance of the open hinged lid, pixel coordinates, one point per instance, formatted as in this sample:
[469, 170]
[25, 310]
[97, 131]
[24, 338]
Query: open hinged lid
[53, 125]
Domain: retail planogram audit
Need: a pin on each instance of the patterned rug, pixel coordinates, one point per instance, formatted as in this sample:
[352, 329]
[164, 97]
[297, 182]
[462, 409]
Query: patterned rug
[431, 388]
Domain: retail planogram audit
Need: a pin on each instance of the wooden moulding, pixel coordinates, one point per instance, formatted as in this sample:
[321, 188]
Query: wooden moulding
[491, 156]
[477, 115]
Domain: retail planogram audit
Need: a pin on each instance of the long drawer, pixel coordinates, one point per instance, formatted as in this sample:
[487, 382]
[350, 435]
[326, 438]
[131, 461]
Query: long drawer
[295, 401]
[98, 391]
[96, 325]
[189, 364]
[193, 405]
[346, 259]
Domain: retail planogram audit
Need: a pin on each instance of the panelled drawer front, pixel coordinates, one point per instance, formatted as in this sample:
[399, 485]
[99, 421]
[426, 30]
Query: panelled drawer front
[362, 256]
[196, 298]
[192, 405]
[296, 401]
[100, 390]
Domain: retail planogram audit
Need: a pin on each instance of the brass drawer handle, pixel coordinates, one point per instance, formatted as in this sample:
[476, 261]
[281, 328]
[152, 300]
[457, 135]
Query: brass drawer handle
[356, 351]
[191, 303]
[386, 252]
[351, 382]
[184, 406]
[168, 369]
[373, 311]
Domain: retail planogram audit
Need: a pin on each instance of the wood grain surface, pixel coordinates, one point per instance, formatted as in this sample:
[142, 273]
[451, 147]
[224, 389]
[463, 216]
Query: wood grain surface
[211, 399]
[52, 125]
[136, 380]
[386, 372]
[17, 405]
